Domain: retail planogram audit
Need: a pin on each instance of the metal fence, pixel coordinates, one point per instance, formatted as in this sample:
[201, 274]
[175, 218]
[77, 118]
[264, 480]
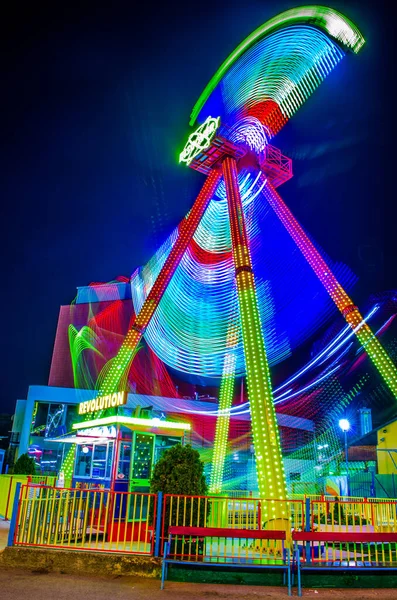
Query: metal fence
[375, 516]
[107, 521]
[233, 513]
[86, 519]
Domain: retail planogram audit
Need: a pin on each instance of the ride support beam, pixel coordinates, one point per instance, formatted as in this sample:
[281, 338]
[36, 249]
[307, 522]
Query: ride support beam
[378, 355]
[120, 365]
[269, 461]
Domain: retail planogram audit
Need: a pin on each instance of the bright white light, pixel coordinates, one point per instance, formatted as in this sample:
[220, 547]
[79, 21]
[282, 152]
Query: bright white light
[344, 424]
[85, 449]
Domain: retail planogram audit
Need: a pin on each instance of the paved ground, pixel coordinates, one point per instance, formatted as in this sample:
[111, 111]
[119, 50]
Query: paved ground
[4, 527]
[17, 584]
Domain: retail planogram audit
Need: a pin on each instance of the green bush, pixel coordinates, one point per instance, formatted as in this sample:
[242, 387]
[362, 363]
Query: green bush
[25, 465]
[180, 471]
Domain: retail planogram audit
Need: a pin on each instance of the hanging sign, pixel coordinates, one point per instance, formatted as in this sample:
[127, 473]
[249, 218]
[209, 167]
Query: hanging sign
[103, 402]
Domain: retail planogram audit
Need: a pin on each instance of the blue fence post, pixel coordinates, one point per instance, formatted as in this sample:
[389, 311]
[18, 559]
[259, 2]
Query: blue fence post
[158, 523]
[307, 526]
[13, 522]
[373, 485]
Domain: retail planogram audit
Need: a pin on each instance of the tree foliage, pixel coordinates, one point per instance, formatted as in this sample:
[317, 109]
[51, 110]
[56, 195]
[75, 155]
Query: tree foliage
[25, 465]
[179, 471]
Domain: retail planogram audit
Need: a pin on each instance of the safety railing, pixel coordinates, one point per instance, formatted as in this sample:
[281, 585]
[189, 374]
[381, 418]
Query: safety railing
[225, 512]
[354, 516]
[107, 521]
[86, 519]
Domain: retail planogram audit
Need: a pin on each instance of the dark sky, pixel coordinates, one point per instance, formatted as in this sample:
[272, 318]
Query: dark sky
[95, 104]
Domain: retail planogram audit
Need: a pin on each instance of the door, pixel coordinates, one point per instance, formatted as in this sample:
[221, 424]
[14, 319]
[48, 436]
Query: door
[142, 462]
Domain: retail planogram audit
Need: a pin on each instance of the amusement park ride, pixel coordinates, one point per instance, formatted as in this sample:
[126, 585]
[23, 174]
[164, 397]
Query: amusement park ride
[247, 102]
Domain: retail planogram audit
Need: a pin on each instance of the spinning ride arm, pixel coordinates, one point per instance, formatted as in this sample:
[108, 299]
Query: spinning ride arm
[269, 462]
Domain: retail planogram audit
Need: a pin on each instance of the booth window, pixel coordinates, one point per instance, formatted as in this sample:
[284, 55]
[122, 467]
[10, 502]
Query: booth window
[83, 461]
[124, 461]
[99, 461]
[94, 461]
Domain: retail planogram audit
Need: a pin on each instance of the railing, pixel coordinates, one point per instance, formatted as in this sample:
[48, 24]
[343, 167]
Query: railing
[86, 519]
[225, 512]
[107, 521]
[355, 516]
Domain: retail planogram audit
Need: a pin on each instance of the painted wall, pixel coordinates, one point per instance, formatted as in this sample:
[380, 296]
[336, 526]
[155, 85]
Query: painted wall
[386, 449]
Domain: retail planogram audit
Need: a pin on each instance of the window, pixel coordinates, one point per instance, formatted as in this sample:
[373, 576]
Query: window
[294, 476]
[83, 461]
[99, 462]
[94, 461]
[123, 471]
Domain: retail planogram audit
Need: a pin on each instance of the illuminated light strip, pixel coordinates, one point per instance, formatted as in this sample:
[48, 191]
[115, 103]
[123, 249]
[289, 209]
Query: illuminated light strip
[326, 353]
[189, 329]
[269, 461]
[121, 363]
[119, 420]
[367, 339]
[307, 387]
[223, 415]
[274, 78]
[333, 23]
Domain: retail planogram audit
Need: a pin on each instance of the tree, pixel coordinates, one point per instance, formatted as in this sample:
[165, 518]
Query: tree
[25, 465]
[180, 471]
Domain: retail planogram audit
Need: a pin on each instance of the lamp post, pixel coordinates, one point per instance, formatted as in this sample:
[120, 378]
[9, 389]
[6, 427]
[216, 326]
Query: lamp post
[345, 426]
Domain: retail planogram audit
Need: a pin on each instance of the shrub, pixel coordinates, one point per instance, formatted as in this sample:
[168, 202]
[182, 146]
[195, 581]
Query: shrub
[25, 465]
[180, 471]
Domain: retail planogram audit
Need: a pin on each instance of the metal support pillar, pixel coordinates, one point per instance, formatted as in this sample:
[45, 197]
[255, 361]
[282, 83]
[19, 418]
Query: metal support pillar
[269, 461]
[378, 355]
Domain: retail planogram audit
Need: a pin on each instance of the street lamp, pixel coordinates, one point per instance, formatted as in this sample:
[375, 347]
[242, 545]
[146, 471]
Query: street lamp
[345, 426]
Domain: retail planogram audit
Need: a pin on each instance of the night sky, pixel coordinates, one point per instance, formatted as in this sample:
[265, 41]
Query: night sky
[95, 104]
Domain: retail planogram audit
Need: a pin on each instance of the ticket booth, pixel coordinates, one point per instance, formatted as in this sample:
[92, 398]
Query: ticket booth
[119, 452]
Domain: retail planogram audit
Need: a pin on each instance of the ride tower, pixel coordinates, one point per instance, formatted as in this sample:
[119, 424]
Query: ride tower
[247, 102]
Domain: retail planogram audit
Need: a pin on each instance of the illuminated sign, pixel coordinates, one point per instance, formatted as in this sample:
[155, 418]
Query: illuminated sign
[98, 432]
[103, 402]
[199, 140]
[154, 423]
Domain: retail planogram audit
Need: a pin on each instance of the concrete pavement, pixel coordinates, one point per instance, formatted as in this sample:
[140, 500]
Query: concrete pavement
[16, 584]
[4, 528]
